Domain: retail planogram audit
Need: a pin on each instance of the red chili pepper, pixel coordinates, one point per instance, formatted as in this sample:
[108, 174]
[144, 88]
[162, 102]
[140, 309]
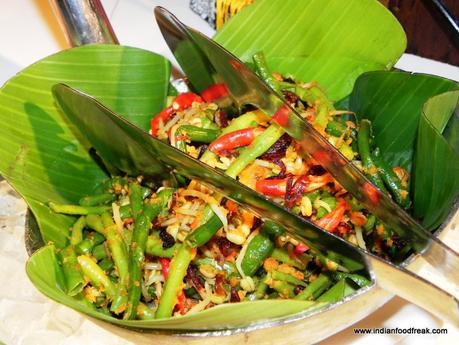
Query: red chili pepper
[129, 220]
[331, 221]
[316, 182]
[300, 248]
[185, 100]
[295, 190]
[180, 306]
[321, 156]
[281, 116]
[237, 65]
[214, 92]
[181, 102]
[371, 192]
[232, 140]
[165, 263]
[272, 187]
[163, 116]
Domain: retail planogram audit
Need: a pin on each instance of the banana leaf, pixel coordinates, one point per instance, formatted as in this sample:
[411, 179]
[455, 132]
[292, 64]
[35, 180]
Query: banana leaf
[41, 154]
[410, 136]
[324, 40]
[41, 269]
[435, 191]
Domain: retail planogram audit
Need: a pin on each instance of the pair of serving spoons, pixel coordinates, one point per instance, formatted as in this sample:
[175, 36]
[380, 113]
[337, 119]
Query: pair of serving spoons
[136, 152]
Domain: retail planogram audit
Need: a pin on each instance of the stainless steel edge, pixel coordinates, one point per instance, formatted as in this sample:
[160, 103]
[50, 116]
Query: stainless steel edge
[84, 22]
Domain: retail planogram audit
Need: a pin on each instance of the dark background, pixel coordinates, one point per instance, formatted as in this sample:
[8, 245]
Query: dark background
[429, 34]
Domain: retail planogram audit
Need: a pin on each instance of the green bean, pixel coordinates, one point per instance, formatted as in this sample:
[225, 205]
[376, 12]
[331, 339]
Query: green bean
[260, 145]
[209, 124]
[258, 249]
[391, 180]
[92, 239]
[117, 248]
[144, 312]
[135, 199]
[142, 221]
[106, 264]
[160, 203]
[356, 278]
[99, 252]
[177, 271]
[263, 71]
[136, 259]
[355, 204]
[84, 247]
[272, 229]
[249, 119]
[77, 209]
[125, 211]
[194, 134]
[94, 221]
[335, 128]
[208, 213]
[96, 275]
[76, 235]
[74, 280]
[261, 288]
[285, 289]
[322, 211]
[337, 292]
[281, 255]
[95, 238]
[315, 288]
[145, 192]
[371, 220]
[203, 233]
[334, 258]
[363, 141]
[277, 275]
[119, 303]
[154, 247]
[98, 199]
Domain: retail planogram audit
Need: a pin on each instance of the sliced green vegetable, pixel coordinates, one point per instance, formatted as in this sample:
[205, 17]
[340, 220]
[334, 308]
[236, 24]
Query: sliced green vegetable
[337, 292]
[315, 288]
[259, 248]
